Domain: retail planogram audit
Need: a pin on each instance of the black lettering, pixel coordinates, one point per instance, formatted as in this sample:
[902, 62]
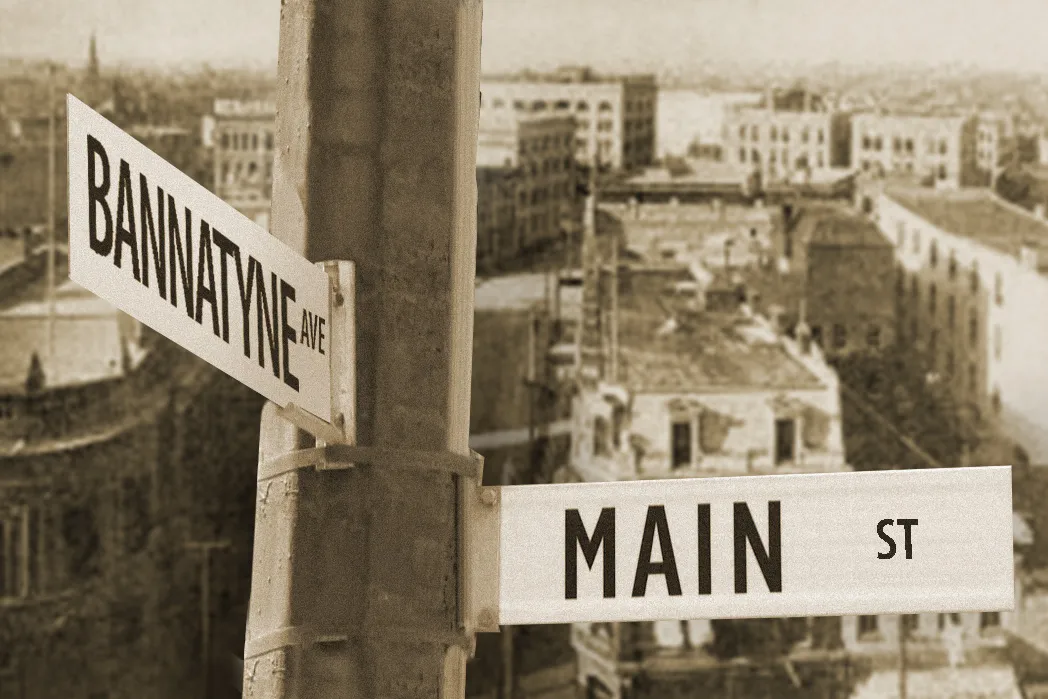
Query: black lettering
[245, 297]
[575, 536]
[906, 524]
[656, 521]
[226, 248]
[206, 293]
[149, 236]
[184, 257]
[887, 539]
[770, 559]
[125, 225]
[705, 552]
[271, 329]
[305, 332]
[320, 336]
[287, 292]
[96, 194]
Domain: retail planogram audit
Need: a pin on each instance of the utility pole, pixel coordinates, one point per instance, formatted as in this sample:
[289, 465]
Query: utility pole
[902, 657]
[205, 548]
[358, 562]
[51, 211]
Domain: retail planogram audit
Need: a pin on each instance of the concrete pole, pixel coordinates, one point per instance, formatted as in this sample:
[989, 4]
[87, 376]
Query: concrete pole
[375, 164]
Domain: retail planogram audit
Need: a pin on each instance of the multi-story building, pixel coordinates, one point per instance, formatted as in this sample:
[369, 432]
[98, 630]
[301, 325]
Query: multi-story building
[496, 214]
[615, 115]
[540, 148]
[242, 136]
[786, 139]
[849, 272]
[995, 144]
[691, 122]
[971, 283]
[694, 384]
[939, 149]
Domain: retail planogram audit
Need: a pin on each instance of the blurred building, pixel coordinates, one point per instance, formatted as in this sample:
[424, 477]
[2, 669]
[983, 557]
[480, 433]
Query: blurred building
[938, 149]
[691, 122]
[497, 237]
[614, 115]
[849, 277]
[790, 136]
[539, 148]
[242, 134]
[971, 285]
[117, 449]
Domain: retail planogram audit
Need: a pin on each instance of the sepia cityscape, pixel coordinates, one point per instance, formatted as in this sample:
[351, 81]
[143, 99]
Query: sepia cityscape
[721, 267]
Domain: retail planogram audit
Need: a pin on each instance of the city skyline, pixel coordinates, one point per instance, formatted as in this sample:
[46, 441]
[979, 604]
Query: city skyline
[991, 34]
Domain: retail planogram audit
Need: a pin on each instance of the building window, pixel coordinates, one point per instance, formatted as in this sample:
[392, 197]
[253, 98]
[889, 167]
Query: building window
[681, 443]
[998, 290]
[996, 401]
[822, 136]
[989, 620]
[15, 552]
[136, 512]
[82, 541]
[915, 289]
[973, 377]
[600, 437]
[867, 625]
[951, 310]
[873, 336]
[773, 135]
[952, 266]
[932, 298]
[998, 342]
[942, 172]
[909, 623]
[785, 441]
[933, 344]
[840, 336]
[933, 254]
[973, 329]
[816, 334]
[950, 365]
[742, 132]
[742, 155]
[755, 133]
[975, 277]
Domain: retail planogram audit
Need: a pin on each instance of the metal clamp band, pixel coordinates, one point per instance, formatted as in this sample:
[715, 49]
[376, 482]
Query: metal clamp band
[303, 637]
[340, 456]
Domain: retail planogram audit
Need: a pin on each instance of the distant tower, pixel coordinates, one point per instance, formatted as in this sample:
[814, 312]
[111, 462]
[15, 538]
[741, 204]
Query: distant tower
[92, 60]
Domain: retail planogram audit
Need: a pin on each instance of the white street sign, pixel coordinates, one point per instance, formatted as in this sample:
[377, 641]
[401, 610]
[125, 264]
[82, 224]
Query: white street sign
[889, 542]
[149, 240]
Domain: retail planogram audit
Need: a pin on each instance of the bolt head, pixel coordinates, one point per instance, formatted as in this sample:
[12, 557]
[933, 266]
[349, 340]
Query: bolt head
[487, 496]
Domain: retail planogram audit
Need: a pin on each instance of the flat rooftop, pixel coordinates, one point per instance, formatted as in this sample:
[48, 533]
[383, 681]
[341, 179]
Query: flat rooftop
[521, 292]
[665, 347]
[976, 214]
[87, 339]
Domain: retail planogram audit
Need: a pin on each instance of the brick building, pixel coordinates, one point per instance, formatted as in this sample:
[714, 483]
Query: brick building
[116, 450]
[970, 283]
[849, 278]
[241, 136]
[614, 115]
[790, 136]
[497, 238]
[539, 147]
[939, 149]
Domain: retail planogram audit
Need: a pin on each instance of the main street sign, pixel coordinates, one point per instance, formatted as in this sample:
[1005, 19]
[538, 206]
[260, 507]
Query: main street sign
[887, 542]
[149, 240]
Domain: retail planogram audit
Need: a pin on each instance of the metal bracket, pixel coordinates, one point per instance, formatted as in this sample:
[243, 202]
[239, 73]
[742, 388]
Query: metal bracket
[304, 637]
[309, 422]
[481, 528]
[343, 456]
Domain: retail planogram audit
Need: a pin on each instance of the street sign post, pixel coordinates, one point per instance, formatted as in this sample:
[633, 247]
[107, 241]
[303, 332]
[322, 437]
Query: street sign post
[886, 542]
[160, 247]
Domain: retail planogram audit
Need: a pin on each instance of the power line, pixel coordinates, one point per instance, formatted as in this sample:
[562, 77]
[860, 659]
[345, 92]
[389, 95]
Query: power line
[904, 439]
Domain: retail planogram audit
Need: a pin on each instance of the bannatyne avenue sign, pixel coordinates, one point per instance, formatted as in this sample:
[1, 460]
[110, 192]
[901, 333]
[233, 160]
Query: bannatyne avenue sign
[149, 240]
[887, 542]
